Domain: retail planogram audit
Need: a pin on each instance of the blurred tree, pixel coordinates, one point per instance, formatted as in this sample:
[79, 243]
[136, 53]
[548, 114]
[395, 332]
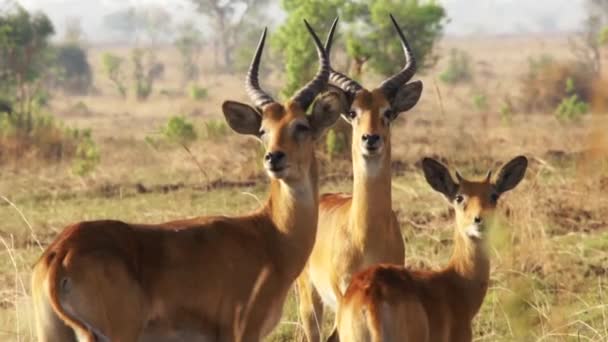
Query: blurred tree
[421, 21]
[123, 22]
[72, 70]
[589, 53]
[146, 71]
[189, 43]
[73, 31]
[459, 69]
[24, 57]
[370, 37]
[294, 42]
[359, 55]
[153, 21]
[26, 64]
[246, 41]
[229, 18]
[112, 67]
[547, 22]
[5, 107]
[598, 8]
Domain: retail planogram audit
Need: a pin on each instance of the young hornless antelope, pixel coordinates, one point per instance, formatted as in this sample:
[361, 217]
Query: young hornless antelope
[184, 280]
[359, 230]
[393, 303]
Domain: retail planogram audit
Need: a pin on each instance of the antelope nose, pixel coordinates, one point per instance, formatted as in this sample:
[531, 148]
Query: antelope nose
[371, 140]
[274, 158]
[478, 219]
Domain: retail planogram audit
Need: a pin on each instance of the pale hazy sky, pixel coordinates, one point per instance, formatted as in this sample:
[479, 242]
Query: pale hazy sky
[467, 16]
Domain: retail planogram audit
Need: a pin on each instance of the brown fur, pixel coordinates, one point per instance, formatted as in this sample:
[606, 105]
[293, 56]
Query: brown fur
[184, 279]
[394, 303]
[354, 231]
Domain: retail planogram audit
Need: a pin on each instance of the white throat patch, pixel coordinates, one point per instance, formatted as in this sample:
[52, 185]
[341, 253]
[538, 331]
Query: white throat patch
[301, 191]
[474, 231]
[372, 166]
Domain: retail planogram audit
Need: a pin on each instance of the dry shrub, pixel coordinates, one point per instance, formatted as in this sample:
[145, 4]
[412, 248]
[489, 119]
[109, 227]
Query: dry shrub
[599, 99]
[50, 147]
[545, 84]
[37, 137]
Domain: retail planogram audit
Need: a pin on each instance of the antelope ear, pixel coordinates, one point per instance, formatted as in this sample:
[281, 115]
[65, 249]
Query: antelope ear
[511, 174]
[242, 118]
[325, 111]
[348, 97]
[406, 98]
[439, 178]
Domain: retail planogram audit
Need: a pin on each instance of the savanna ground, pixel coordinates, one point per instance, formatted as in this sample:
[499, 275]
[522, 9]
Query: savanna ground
[550, 251]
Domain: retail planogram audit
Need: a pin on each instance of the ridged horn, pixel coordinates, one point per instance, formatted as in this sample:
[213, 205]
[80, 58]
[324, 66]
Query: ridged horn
[307, 94]
[390, 86]
[344, 82]
[259, 97]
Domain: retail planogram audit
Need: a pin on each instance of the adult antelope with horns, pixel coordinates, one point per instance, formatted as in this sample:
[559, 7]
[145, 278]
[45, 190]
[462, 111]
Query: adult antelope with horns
[359, 230]
[183, 280]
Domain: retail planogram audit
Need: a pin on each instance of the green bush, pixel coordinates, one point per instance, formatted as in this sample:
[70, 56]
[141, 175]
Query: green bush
[506, 112]
[603, 36]
[197, 93]
[215, 129]
[335, 143]
[480, 102]
[113, 68]
[459, 68]
[179, 130]
[41, 98]
[572, 107]
[87, 155]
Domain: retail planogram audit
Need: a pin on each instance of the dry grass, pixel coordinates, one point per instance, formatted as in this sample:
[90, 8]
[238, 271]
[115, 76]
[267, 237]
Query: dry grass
[550, 250]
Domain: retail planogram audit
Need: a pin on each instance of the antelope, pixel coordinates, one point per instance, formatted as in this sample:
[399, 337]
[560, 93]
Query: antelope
[182, 280]
[358, 230]
[393, 303]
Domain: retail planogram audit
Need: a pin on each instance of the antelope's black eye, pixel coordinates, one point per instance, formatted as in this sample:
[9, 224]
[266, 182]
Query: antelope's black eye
[389, 114]
[494, 197]
[459, 199]
[262, 132]
[352, 114]
[302, 128]
[300, 131]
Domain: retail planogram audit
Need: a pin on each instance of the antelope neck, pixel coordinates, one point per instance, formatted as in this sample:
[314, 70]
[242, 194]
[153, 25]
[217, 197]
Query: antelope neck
[293, 208]
[371, 206]
[470, 264]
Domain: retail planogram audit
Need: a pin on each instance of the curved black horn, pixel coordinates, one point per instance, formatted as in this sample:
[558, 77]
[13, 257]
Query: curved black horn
[259, 97]
[392, 84]
[337, 78]
[307, 94]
